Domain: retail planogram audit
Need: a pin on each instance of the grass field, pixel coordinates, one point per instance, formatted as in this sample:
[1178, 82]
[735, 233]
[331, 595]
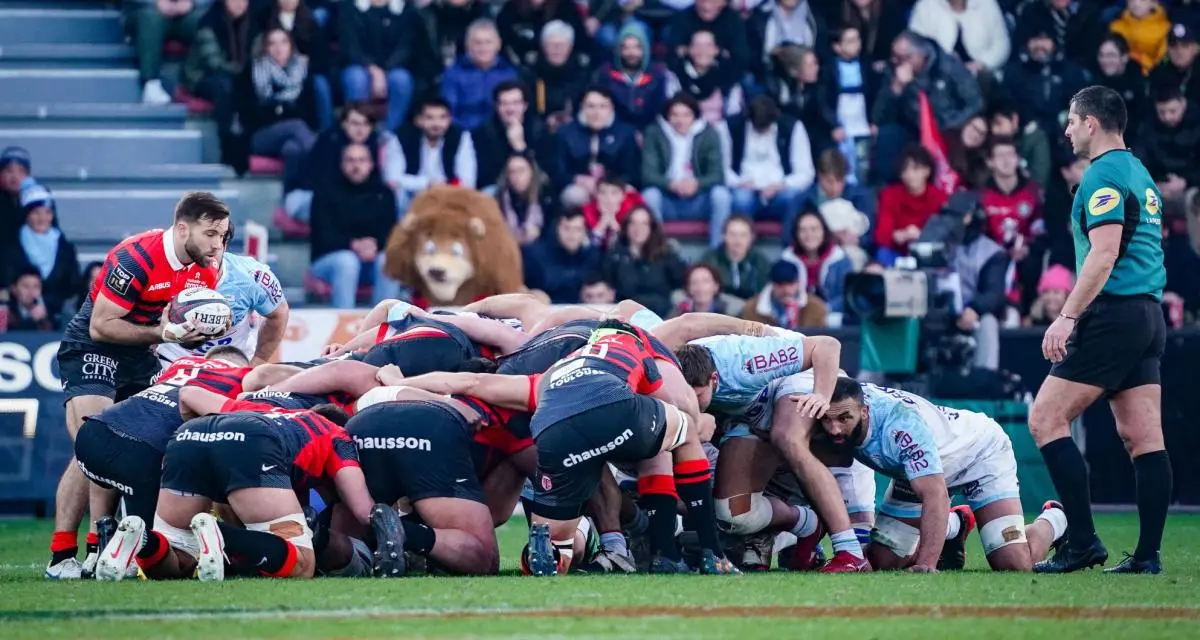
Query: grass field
[971, 604]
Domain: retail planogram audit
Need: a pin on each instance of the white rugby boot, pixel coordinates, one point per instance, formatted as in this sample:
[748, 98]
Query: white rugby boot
[118, 555]
[68, 569]
[210, 565]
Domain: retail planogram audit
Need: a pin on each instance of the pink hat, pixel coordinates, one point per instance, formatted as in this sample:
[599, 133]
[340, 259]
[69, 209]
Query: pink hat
[1056, 278]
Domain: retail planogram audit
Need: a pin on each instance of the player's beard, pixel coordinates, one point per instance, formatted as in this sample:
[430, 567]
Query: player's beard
[195, 254]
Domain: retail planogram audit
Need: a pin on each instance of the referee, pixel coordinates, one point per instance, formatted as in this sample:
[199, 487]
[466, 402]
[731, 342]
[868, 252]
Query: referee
[1109, 338]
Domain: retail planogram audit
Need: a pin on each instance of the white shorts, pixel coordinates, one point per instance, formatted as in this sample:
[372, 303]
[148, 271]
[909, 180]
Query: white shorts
[856, 482]
[993, 477]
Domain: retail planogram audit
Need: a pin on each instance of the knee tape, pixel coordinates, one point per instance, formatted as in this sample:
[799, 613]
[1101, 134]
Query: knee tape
[182, 539]
[376, 396]
[681, 435]
[754, 520]
[1002, 532]
[901, 538]
[292, 528]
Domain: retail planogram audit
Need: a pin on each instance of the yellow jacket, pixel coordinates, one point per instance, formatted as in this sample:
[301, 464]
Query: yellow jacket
[1147, 37]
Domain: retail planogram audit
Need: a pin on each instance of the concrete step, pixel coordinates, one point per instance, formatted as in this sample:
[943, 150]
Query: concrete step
[66, 56]
[80, 115]
[290, 264]
[259, 198]
[107, 147]
[184, 177]
[49, 86]
[98, 216]
[65, 26]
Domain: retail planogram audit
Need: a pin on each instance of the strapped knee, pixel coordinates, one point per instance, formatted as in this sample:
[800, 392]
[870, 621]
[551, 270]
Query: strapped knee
[182, 539]
[901, 538]
[293, 528]
[681, 434]
[1002, 532]
[751, 521]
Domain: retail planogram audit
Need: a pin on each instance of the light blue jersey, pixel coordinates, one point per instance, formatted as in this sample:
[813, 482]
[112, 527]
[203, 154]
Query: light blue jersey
[746, 365]
[898, 444]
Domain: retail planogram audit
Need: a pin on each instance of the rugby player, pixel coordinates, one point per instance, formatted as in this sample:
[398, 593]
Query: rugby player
[250, 288]
[1109, 338]
[105, 350]
[931, 452]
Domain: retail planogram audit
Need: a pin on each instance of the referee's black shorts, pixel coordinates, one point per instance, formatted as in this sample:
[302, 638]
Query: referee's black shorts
[1117, 344]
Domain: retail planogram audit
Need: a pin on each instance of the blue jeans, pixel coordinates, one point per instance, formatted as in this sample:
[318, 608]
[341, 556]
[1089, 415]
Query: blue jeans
[323, 93]
[344, 272]
[713, 204]
[784, 207]
[356, 82]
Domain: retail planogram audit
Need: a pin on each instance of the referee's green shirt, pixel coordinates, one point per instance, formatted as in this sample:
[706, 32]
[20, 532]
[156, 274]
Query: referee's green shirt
[1117, 189]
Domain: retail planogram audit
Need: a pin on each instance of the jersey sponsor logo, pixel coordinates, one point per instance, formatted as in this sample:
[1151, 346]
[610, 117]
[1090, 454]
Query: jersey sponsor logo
[98, 367]
[576, 458]
[420, 444]
[911, 451]
[570, 372]
[216, 436]
[1151, 202]
[764, 362]
[119, 279]
[158, 285]
[1103, 200]
[270, 285]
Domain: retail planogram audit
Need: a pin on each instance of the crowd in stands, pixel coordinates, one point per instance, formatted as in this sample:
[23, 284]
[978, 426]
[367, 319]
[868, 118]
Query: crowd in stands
[606, 129]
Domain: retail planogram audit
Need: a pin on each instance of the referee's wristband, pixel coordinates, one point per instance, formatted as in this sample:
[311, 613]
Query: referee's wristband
[1071, 318]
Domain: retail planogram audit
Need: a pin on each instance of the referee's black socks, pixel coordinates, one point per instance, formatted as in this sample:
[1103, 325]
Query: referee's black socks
[1069, 473]
[1153, 472]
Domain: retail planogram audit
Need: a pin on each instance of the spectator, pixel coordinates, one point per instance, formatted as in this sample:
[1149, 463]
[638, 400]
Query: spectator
[596, 291]
[26, 309]
[154, 22]
[15, 165]
[90, 273]
[918, 65]
[982, 267]
[642, 266]
[520, 24]
[853, 83]
[512, 129]
[614, 201]
[1043, 81]
[968, 153]
[595, 146]
[1033, 145]
[823, 264]
[1178, 68]
[878, 23]
[1170, 146]
[783, 302]
[557, 264]
[726, 26]
[1012, 202]
[830, 185]
[467, 86]
[384, 49]
[449, 24]
[1075, 26]
[436, 151]
[637, 83]
[352, 216]
[215, 62]
[702, 293]
[1117, 71]
[308, 37]
[970, 30]
[558, 75]
[796, 86]
[742, 268]
[521, 198]
[848, 226]
[1144, 25]
[770, 161]
[42, 248]
[701, 75]
[284, 110]
[905, 207]
[778, 22]
[682, 170]
[1052, 291]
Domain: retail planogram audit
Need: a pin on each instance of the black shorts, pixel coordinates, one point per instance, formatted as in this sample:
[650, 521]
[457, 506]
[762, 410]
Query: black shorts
[214, 456]
[114, 460]
[573, 453]
[89, 369]
[538, 358]
[417, 356]
[416, 450]
[1117, 344]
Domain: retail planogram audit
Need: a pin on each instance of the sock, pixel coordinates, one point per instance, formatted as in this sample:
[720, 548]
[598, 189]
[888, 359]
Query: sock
[1153, 472]
[953, 525]
[64, 545]
[263, 552]
[640, 523]
[806, 523]
[846, 541]
[1057, 520]
[657, 501]
[418, 538]
[1070, 476]
[614, 541]
[864, 535]
[93, 544]
[154, 549]
[693, 479]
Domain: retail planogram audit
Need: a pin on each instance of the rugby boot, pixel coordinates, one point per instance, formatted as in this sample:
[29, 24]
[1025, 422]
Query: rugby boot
[318, 523]
[210, 564]
[68, 569]
[806, 554]
[87, 570]
[106, 528]
[1132, 565]
[663, 564]
[954, 551]
[389, 542]
[118, 555]
[757, 551]
[711, 564]
[1068, 559]
[541, 558]
[846, 562]
[608, 561]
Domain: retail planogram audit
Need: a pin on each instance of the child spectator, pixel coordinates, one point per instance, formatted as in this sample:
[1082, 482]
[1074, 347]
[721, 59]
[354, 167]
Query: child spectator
[607, 212]
[854, 83]
[26, 309]
[1144, 25]
[592, 147]
[638, 85]
[468, 85]
[702, 293]
[42, 249]
[742, 268]
[1012, 202]
[642, 266]
[435, 152]
[1033, 145]
[831, 184]
[770, 161]
[521, 196]
[385, 50]
[784, 303]
[823, 264]
[1053, 288]
[905, 207]
[558, 263]
[284, 113]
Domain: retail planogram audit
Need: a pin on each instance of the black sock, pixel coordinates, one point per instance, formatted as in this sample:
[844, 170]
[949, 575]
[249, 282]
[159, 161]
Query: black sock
[258, 551]
[418, 538]
[1153, 472]
[151, 544]
[1069, 473]
[660, 511]
[63, 554]
[693, 481]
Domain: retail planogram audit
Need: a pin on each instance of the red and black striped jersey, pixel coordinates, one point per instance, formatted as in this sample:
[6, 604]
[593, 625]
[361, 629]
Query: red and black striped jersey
[417, 328]
[299, 401]
[317, 447]
[141, 275]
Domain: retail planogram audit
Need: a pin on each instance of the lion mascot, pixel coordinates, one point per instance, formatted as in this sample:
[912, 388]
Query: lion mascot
[453, 248]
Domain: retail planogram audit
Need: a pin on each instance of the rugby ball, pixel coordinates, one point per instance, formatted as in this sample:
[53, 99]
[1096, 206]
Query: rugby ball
[203, 308]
